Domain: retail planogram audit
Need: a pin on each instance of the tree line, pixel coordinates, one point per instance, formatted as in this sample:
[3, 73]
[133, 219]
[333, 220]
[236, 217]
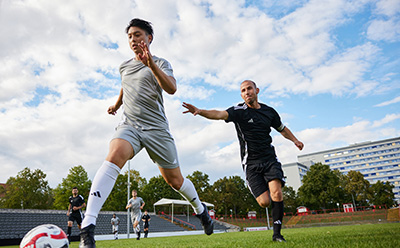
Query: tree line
[322, 188]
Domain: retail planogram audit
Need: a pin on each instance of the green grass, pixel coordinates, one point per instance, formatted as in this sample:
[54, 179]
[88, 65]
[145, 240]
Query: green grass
[384, 235]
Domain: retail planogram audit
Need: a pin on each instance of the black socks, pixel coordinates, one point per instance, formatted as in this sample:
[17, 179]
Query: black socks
[277, 216]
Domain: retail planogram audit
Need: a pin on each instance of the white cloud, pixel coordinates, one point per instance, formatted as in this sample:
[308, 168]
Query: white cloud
[395, 100]
[387, 26]
[60, 47]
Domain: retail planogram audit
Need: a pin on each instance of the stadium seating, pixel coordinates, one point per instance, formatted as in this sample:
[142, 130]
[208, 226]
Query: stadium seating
[15, 223]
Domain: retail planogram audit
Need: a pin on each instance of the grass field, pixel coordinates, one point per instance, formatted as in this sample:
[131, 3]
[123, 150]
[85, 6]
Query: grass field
[384, 235]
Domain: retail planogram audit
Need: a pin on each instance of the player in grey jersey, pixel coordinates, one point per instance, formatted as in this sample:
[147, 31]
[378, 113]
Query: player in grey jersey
[115, 223]
[136, 205]
[144, 125]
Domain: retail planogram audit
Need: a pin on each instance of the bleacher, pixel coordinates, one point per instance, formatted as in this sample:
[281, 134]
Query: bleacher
[15, 223]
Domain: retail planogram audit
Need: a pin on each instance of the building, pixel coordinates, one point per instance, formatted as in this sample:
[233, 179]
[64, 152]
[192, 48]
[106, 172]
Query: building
[294, 173]
[377, 160]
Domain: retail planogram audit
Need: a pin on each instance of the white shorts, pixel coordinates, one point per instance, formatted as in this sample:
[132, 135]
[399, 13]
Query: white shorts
[115, 228]
[159, 144]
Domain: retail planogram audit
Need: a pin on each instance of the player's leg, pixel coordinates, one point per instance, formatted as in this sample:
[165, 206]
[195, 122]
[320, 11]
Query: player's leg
[78, 220]
[70, 222]
[277, 208]
[186, 188]
[136, 228]
[257, 185]
[102, 185]
[161, 148]
[275, 179]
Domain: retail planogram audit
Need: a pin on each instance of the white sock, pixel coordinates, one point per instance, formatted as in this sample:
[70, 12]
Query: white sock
[103, 183]
[188, 191]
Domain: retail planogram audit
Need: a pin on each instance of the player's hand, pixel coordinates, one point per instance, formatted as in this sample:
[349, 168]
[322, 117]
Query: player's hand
[190, 108]
[145, 56]
[75, 208]
[299, 144]
[112, 110]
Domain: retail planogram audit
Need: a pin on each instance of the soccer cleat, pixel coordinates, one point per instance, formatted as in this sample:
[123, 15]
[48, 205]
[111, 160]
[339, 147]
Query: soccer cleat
[138, 236]
[87, 237]
[278, 238]
[206, 221]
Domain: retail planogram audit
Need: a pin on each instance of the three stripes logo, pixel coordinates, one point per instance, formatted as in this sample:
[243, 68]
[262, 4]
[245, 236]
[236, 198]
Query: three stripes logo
[278, 222]
[96, 194]
[251, 121]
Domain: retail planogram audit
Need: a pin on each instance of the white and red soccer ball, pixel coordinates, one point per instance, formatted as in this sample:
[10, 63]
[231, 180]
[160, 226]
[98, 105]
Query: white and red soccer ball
[45, 236]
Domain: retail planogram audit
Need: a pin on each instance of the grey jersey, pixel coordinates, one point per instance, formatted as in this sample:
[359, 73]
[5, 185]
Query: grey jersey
[136, 203]
[142, 95]
[115, 221]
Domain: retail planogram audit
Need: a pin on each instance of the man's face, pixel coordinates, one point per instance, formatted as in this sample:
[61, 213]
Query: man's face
[137, 35]
[249, 92]
[74, 191]
[134, 193]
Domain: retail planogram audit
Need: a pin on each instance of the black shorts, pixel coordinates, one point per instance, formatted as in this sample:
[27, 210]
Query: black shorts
[258, 176]
[75, 217]
[145, 225]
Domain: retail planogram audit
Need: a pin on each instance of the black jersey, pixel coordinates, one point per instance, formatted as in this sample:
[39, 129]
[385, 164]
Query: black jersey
[146, 218]
[253, 127]
[76, 202]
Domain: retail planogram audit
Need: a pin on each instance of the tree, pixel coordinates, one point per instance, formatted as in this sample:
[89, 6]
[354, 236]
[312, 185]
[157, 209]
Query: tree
[28, 190]
[321, 187]
[382, 194]
[231, 193]
[117, 199]
[77, 177]
[289, 199]
[356, 185]
[200, 182]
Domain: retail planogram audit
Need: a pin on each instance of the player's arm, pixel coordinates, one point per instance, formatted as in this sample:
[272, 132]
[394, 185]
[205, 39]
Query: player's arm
[141, 207]
[128, 206]
[69, 209]
[167, 83]
[112, 110]
[290, 136]
[209, 114]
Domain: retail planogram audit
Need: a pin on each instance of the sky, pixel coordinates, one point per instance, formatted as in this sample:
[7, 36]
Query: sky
[330, 68]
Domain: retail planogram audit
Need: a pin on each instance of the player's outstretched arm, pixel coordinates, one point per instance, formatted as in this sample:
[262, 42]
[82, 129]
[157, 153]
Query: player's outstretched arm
[290, 136]
[209, 114]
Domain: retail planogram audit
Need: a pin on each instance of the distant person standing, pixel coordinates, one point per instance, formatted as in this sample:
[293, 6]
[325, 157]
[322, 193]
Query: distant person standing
[115, 223]
[136, 205]
[74, 213]
[146, 218]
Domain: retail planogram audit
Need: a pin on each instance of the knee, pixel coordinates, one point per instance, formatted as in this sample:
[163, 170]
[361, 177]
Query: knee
[175, 183]
[263, 202]
[277, 196]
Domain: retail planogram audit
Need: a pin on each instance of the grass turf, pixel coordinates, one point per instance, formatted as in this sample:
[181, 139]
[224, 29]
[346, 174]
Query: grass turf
[385, 235]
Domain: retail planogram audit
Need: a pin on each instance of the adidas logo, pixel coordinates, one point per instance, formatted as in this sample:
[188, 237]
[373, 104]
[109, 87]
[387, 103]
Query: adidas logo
[97, 194]
[251, 121]
[193, 199]
[278, 222]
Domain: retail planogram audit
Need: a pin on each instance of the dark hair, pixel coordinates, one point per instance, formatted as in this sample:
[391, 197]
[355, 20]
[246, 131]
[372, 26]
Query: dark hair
[255, 86]
[145, 25]
[75, 188]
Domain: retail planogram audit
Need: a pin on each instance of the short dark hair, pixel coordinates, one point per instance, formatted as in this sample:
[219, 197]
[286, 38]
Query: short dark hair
[75, 188]
[145, 25]
[248, 80]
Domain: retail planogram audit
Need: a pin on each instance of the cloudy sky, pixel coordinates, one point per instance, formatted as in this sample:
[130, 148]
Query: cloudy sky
[330, 68]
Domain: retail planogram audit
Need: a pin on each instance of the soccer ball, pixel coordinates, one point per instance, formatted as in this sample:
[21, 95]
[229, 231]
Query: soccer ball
[45, 236]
